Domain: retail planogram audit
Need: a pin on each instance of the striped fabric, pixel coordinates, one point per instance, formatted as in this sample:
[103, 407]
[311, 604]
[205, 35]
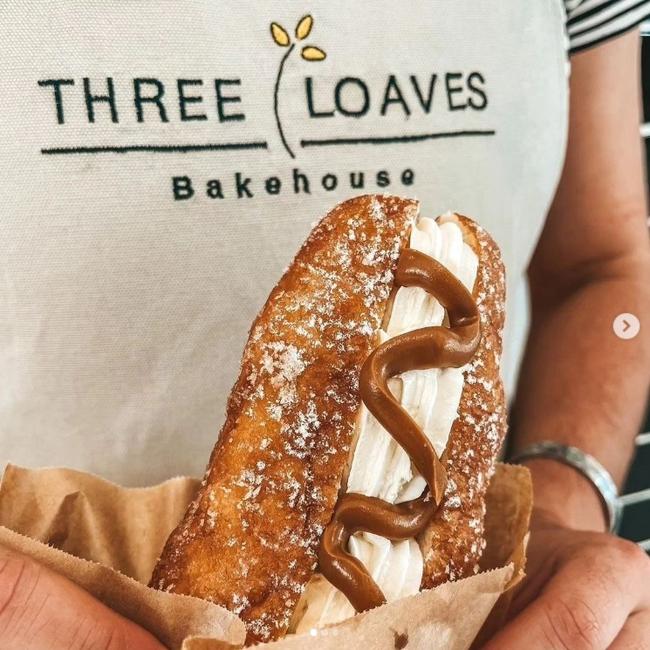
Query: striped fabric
[590, 22]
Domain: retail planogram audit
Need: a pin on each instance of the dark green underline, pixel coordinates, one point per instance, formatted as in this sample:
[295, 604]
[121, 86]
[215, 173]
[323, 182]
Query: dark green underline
[232, 146]
[396, 139]
[155, 148]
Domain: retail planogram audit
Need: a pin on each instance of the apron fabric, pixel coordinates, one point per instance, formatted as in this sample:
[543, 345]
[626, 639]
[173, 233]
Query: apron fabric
[163, 161]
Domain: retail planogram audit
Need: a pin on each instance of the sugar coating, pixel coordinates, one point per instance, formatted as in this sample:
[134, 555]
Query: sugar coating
[250, 538]
[455, 540]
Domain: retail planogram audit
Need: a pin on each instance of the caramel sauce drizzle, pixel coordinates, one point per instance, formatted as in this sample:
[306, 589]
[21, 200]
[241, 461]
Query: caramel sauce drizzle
[428, 347]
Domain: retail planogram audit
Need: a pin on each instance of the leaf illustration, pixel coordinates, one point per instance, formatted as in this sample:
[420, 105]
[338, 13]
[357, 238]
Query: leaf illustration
[311, 53]
[304, 27]
[280, 35]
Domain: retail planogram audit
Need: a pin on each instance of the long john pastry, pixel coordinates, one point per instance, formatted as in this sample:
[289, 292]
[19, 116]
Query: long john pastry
[362, 430]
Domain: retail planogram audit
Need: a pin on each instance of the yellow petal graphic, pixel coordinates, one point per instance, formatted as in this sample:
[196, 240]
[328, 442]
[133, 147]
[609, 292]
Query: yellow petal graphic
[311, 53]
[279, 34]
[304, 27]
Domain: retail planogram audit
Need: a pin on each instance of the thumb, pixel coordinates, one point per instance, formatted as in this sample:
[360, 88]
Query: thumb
[41, 609]
[583, 606]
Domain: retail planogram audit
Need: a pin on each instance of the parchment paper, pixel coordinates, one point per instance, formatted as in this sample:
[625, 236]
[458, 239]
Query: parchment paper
[107, 539]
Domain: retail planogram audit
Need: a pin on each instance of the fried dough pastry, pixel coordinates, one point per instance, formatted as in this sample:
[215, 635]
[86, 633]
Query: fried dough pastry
[453, 542]
[298, 437]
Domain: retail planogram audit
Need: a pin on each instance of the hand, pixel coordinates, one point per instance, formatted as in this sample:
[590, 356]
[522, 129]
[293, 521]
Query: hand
[584, 590]
[41, 609]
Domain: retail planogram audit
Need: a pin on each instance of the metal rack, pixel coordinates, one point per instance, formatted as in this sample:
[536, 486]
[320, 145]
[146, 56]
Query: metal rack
[636, 494]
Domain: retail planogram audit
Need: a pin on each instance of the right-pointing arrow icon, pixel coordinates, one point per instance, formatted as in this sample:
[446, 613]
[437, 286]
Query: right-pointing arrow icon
[626, 326]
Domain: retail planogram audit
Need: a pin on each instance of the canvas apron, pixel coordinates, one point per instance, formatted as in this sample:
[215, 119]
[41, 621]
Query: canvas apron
[161, 163]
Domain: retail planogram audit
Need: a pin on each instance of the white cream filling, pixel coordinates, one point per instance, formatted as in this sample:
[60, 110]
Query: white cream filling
[380, 467]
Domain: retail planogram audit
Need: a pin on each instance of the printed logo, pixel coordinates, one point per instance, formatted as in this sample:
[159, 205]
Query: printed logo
[308, 52]
[388, 108]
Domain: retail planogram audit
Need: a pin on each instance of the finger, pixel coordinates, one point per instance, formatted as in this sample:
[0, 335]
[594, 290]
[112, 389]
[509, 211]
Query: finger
[41, 609]
[635, 634]
[585, 604]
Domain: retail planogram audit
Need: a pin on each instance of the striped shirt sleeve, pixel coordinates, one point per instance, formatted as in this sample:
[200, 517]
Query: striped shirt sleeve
[590, 22]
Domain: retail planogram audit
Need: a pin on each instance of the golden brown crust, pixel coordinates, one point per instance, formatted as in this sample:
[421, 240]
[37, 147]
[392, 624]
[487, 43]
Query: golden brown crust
[453, 542]
[250, 537]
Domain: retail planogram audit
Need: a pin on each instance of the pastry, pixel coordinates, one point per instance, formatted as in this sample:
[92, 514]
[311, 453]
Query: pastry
[363, 428]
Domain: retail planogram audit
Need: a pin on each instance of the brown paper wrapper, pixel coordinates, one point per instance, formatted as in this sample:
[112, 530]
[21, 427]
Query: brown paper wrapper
[106, 539]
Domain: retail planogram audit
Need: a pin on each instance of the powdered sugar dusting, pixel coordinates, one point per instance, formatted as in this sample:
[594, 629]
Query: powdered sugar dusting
[275, 474]
[456, 540]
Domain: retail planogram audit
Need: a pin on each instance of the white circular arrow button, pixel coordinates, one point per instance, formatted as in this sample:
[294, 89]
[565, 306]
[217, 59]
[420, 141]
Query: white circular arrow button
[626, 326]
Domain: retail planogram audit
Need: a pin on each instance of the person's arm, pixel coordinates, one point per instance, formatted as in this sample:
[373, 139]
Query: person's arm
[580, 384]
[41, 609]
